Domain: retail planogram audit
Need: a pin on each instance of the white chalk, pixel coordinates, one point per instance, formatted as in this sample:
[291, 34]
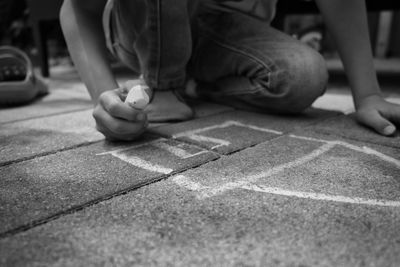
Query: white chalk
[137, 97]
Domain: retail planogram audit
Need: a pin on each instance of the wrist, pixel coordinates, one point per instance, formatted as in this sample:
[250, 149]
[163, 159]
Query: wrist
[361, 95]
[364, 86]
[365, 99]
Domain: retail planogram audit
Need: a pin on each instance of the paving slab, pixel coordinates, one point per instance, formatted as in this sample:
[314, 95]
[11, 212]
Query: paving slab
[347, 127]
[232, 131]
[316, 164]
[63, 97]
[25, 139]
[279, 203]
[36, 189]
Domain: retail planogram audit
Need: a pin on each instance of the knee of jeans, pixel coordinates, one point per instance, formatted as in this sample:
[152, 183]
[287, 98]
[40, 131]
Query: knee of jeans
[304, 79]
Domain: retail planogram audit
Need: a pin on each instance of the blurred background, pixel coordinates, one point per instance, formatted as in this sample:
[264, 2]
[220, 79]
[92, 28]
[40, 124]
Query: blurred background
[32, 25]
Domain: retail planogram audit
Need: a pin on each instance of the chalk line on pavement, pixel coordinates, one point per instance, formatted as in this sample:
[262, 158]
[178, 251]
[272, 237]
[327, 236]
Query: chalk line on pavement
[248, 182]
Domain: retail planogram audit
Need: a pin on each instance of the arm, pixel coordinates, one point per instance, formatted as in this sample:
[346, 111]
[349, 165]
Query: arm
[347, 22]
[81, 21]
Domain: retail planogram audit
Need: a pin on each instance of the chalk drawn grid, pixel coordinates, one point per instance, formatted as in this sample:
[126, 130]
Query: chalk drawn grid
[248, 183]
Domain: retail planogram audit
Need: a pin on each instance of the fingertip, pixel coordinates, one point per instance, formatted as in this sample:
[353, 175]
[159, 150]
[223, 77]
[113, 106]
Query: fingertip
[389, 130]
[377, 122]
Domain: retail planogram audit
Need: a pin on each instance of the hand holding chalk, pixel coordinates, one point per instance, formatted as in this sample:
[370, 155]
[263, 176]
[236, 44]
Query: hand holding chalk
[137, 97]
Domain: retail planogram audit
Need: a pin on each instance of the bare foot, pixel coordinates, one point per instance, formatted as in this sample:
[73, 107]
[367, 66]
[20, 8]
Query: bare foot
[166, 106]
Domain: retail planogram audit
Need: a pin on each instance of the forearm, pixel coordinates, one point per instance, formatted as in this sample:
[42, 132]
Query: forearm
[347, 23]
[85, 39]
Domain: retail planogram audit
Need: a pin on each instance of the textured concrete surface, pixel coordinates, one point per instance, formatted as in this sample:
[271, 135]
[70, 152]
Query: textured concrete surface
[63, 97]
[231, 131]
[316, 164]
[227, 188]
[35, 189]
[24, 139]
[174, 222]
[346, 126]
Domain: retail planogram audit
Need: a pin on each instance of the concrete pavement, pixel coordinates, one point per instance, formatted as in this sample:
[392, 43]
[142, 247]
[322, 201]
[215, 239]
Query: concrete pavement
[228, 188]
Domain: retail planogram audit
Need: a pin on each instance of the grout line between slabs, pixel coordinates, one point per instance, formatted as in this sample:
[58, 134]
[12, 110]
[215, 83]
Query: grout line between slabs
[79, 207]
[110, 196]
[45, 116]
[93, 202]
[43, 154]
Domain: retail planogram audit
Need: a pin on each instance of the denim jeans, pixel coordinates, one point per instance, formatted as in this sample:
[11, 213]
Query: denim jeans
[236, 58]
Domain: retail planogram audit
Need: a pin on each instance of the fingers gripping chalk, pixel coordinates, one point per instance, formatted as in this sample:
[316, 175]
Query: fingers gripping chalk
[137, 97]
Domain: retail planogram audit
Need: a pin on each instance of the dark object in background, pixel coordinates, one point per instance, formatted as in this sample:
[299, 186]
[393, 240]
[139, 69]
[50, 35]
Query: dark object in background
[32, 26]
[11, 69]
[297, 7]
[18, 83]
[44, 21]
[9, 10]
[14, 25]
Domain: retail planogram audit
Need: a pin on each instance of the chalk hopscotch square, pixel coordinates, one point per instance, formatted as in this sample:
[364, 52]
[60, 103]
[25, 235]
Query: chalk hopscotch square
[340, 170]
[228, 137]
[378, 185]
[162, 155]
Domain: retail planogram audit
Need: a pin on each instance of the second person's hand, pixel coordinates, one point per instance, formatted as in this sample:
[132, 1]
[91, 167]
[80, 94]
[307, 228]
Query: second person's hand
[380, 115]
